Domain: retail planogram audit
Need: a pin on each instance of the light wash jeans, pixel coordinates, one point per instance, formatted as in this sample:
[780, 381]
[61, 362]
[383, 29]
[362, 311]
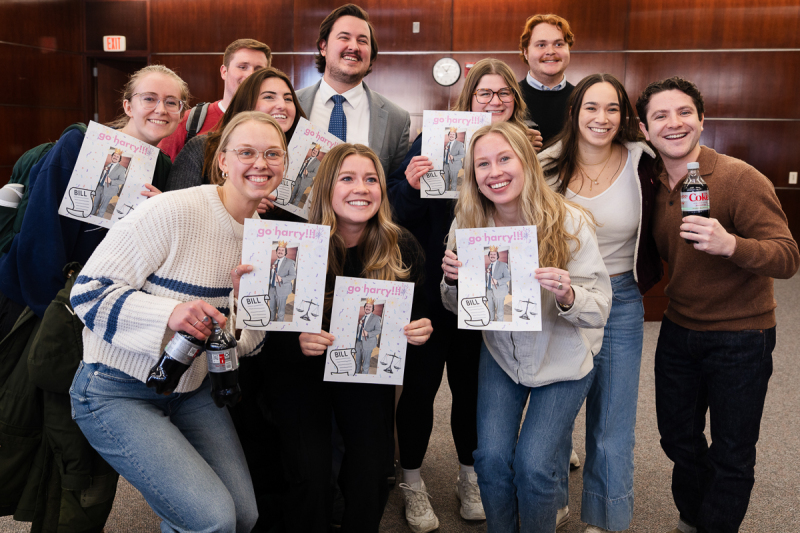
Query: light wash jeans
[180, 451]
[519, 479]
[607, 500]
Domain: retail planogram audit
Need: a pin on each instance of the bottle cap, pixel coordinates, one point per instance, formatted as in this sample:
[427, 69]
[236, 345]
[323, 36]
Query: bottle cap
[693, 166]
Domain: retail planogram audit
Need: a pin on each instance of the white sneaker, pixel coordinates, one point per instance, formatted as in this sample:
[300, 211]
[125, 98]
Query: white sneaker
[562, 517]
[574, 462]
[419, 513]
[470, 495]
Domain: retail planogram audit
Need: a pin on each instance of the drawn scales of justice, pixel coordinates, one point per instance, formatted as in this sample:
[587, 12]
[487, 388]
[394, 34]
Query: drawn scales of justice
[311, 305]
[389, 364]
[524, 316]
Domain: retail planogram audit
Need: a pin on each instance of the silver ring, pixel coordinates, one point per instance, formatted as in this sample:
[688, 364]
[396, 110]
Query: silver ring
[237, 271]
[560, 286]
[559, 277]
[204, 319]
[195, 323]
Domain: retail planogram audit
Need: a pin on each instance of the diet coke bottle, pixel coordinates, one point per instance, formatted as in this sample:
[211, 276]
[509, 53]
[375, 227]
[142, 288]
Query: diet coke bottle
[694, 195]
[223, 367]
[178, 356]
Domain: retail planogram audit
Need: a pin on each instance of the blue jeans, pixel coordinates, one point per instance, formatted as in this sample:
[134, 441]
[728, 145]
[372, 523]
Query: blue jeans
[519, 479]
[180, 451]
[607, 500]
[726, 373]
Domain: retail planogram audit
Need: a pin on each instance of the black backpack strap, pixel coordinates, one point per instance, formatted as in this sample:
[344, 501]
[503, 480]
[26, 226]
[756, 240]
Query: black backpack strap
[197, 117]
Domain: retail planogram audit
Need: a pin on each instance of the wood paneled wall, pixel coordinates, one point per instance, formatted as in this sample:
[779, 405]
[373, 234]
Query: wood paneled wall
[744, 56]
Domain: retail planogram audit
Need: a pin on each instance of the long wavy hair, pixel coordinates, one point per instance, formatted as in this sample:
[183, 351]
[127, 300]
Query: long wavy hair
[492, 66]
[566, 164]
[539, 205]
[378, 247]
[241, 118]
[245, 99]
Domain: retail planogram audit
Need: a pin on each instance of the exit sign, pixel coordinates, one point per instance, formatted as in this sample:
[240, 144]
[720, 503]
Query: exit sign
[114, 43]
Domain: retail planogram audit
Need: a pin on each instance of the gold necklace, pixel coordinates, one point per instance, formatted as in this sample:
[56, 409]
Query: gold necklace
[595, 181]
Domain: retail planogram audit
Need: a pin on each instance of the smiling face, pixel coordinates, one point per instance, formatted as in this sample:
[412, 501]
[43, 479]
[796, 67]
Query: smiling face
[368, 308]
[275, 99]
[116, 158]
[243, 63]
[498, 170]
[599, 115]
[356, 195]
[314, 152]
[673, 126]
[280, 251]
[547, 54]
[152, 126]
[347, 51]
[501, 111]
[451, 136]
[492, 256]
[255, 181]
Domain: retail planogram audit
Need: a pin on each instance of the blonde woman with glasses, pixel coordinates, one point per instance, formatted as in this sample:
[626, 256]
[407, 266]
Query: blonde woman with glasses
[174, 265]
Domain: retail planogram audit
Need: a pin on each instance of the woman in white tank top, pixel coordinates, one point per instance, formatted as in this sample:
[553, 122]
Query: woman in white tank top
[597, 162]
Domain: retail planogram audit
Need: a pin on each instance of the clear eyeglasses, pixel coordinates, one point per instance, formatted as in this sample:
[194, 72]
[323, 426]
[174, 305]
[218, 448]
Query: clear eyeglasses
[248, 156]
[149, 101]
[484, 96]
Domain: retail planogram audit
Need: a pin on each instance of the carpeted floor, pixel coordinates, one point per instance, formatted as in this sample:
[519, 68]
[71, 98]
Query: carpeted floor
[775, 503]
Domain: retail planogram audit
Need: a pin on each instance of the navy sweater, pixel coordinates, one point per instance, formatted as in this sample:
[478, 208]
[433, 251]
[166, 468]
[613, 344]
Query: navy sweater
[31, 272]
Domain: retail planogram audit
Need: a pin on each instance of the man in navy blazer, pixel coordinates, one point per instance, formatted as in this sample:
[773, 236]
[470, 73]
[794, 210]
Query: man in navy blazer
[347, 48]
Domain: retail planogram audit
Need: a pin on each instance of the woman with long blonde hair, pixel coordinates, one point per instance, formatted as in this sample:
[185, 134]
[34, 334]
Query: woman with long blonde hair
[519, 470]
[490, 87]
[350, 197]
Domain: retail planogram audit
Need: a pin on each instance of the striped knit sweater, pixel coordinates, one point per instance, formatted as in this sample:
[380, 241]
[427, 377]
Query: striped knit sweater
[177, 247]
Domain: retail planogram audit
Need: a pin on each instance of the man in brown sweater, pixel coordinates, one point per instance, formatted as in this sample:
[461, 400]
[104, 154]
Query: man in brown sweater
[714, 351]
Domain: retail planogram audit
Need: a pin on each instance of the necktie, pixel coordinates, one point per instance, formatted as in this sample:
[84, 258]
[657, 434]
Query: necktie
[338, 123]
[361, 327]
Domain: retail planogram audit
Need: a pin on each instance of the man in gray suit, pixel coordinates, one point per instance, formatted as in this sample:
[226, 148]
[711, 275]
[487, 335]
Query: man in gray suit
[341, 102]
[497, 279]
[281, 275]
[305, 178]
[453, 159]
[369, 327]
[111, 181]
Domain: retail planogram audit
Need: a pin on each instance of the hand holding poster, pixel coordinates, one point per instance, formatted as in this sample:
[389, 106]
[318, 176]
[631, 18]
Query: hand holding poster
[109, 176]
[367, 323]
[286, 289]
[445, 138]
[496, 285]
[307, 149]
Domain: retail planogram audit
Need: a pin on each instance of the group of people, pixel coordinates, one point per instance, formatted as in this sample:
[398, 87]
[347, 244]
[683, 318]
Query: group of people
[599, 178]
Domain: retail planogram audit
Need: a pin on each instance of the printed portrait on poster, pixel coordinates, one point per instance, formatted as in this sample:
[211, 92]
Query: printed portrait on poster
[110, 183]
[368, 333]
[282, 279]
[305, 177]
[453, 158]
[498, 283]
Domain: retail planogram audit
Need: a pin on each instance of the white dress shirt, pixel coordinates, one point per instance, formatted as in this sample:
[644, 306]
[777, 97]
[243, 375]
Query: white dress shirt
[536, 84]
[356, 109]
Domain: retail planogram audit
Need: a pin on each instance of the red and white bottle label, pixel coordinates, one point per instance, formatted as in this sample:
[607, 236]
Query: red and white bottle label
[694, 201]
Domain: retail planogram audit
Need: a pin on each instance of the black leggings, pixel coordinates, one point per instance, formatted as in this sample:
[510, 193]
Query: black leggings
[460, 349]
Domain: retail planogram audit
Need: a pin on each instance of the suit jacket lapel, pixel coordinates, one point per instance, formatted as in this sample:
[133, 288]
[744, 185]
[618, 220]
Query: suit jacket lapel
[306, 99]
[378, 120]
